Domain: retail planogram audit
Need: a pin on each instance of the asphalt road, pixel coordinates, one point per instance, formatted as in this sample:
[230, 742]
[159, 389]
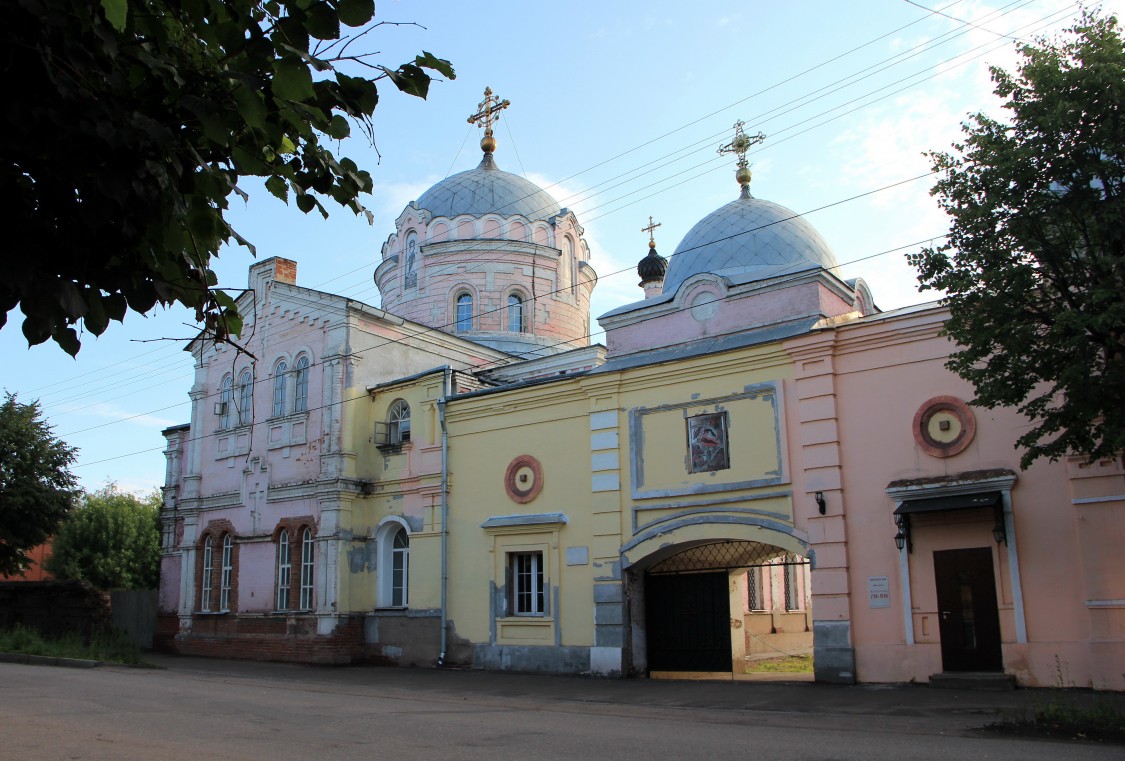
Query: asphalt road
[216, 709]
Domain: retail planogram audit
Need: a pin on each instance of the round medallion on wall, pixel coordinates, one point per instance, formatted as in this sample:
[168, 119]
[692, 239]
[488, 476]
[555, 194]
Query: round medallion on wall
[524, 479]
[944, 426]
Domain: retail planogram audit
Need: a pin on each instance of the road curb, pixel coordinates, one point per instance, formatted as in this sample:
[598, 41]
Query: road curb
[47, 660]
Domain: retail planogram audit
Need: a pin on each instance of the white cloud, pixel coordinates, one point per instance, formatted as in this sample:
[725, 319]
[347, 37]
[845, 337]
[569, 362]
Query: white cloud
[110, 411]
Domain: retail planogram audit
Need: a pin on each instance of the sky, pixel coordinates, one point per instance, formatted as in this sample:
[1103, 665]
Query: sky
[617, 109]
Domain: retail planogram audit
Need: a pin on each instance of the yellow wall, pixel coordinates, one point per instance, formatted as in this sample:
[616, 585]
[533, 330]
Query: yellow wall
[580, 431]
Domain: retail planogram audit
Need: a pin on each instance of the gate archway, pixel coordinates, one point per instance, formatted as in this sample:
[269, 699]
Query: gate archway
[708, 604]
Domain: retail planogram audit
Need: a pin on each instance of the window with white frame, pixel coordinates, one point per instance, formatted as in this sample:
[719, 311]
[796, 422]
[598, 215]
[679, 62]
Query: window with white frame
[515, 313]
[301, 384]
[306, 569]
[398, 422]
[226, 402]
[525, 572]
[205, 576]
[227, 572]
[245, 397]
[464, 319]
[284, 570]
[279, 387]
[400, 568]
[280, 380]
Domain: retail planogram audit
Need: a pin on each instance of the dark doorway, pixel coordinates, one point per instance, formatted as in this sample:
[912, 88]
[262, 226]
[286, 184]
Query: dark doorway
[688, 622]
[968, 619]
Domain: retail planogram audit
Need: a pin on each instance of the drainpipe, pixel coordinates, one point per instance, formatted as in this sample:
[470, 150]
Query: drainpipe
[444, 510]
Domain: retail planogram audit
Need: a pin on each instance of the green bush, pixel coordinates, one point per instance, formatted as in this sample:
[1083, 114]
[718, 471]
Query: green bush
[108, 646]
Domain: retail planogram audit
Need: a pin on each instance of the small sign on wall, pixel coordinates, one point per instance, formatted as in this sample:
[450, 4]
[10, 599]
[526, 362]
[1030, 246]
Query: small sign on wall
[878, 592]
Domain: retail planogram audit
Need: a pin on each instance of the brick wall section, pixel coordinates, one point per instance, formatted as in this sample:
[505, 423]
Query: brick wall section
[291, 639]
[54, 608]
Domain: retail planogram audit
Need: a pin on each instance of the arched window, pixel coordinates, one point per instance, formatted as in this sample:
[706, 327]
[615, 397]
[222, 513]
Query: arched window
[205, 576]
[301, 384]
[245, 397]
[284, 570]
[226, 401]
[227, 572]
[398, 421]
[306, 569]
[411, 277]
[400, 566]
[566, 265]
[515, 313]
[464, 320]
[393, 579]
[279, 381]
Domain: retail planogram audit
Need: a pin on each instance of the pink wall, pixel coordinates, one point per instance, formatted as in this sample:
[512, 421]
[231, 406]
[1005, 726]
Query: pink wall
[856, 436]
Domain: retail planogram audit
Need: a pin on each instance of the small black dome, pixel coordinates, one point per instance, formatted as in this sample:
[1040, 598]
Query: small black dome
[652, 267]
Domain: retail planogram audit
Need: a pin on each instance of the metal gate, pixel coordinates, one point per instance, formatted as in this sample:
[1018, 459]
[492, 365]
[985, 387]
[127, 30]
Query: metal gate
[687, 603]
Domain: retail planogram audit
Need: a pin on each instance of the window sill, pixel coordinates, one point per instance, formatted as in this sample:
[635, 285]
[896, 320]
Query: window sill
[302, 415]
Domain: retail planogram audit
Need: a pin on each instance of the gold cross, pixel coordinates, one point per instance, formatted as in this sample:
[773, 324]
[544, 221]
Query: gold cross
[651, 226]
[488, 111]
[741, 143]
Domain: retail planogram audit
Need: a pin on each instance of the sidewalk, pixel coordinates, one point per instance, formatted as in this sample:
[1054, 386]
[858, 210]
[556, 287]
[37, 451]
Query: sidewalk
[962, 708]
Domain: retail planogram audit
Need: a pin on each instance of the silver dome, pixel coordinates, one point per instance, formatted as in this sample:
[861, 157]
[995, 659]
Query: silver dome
[488, 190]
[747, 240]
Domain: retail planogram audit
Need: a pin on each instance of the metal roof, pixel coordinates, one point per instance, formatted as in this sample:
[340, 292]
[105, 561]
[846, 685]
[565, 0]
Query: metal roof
[489, 190]
[748, 239]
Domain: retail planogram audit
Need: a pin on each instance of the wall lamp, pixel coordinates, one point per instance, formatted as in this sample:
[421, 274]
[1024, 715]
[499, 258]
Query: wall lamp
[902, 538]
[819, 497]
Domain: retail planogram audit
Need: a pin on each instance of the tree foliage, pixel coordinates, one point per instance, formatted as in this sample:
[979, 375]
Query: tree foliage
[36, 486]
[129, 123]
[111, 540]
[1034, 267]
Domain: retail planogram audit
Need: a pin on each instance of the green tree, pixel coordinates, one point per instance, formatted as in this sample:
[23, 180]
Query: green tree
[111, 539]
[1034, 266]
[128, 124]
[36, 485]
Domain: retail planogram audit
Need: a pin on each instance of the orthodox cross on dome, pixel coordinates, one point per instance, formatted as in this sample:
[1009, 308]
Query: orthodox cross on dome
[488, 113]
[651, 226]
[738, 146]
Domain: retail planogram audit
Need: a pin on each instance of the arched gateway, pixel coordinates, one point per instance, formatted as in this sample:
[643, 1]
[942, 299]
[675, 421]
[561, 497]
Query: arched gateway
[712, 604]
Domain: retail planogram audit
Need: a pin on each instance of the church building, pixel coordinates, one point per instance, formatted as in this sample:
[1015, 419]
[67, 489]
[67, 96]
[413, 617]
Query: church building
[757, 460]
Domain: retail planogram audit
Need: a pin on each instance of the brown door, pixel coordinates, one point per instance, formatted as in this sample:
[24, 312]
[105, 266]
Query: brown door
[968, 619]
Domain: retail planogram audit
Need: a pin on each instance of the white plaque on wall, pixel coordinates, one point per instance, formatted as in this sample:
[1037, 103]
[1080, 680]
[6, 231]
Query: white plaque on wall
[878, 592]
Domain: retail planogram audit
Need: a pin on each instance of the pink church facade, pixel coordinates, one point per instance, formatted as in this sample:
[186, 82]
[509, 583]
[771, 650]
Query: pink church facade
[755, 418]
